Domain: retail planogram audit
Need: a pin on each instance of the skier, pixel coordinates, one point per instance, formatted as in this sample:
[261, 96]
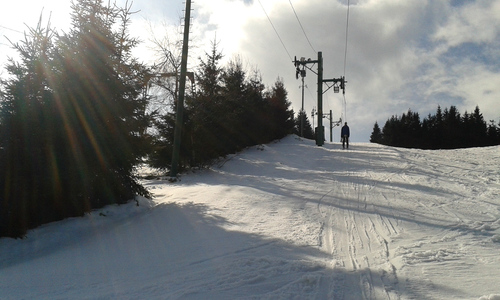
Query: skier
[345, 133]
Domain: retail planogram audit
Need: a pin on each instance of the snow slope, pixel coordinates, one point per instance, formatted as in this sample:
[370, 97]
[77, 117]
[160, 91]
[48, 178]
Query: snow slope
[288, 220]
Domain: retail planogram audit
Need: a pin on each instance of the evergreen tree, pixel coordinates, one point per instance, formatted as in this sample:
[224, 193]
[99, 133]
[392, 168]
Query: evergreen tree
[228, 112]
[376, 136]
[282, 121]
[254, 120]
[479, 129]
[206, 107]
[235, 107]
[445, 130]
[104, 100]
[307, 129]
[27, 136]
[390, 132]
[493, 134]
[451, 128]
[79, 114]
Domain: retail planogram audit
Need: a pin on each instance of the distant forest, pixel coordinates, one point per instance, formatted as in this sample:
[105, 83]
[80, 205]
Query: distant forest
[76, 117]
[444, 130]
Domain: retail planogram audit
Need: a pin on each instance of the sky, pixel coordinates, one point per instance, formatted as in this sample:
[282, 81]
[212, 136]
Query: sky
[401, 55]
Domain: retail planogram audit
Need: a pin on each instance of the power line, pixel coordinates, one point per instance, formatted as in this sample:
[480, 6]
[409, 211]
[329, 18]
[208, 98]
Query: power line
[346, 36]
[276, 31]
[345, 55]
[302, 27]
[11, 29]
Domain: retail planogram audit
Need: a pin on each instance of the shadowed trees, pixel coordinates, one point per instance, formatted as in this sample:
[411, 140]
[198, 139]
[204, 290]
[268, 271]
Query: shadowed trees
[72, 118]
[446, 129]
[228, 112]
[74, 122]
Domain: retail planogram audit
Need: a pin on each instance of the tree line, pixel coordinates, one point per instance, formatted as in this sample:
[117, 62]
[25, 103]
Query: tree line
[75, 123]
[446, 129]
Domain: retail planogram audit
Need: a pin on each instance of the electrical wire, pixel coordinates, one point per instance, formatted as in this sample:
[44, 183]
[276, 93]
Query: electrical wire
[346, 36]
[10, 29]
[279, 37]
[302, 27]
[345, 56]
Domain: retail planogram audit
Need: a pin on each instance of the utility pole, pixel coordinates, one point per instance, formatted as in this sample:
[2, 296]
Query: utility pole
[302, 114]
[182, 90]
[338, 83]
[331, 126]
[320, 132]
[313, 113]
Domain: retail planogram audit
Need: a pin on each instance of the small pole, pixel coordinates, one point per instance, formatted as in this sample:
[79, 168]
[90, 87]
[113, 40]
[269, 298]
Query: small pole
[312, 115]
[302, 116]
[320, 133]
[182, 90]
[331, 127]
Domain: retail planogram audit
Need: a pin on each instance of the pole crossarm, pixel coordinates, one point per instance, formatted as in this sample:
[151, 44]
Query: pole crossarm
[304, 63]
[338, 83]
[189, 75]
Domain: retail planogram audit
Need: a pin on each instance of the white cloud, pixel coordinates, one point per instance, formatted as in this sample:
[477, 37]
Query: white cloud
[475, 22]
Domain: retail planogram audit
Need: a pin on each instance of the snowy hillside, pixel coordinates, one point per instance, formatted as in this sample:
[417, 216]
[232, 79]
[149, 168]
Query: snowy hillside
[288, 220]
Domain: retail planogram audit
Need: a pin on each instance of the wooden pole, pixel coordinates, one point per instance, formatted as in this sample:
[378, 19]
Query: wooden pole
[182, 90]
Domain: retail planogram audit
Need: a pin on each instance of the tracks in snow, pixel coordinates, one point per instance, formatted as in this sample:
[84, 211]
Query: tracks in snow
[357, 238]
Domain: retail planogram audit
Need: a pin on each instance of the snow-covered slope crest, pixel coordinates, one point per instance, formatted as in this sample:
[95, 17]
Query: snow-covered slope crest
[287, 220]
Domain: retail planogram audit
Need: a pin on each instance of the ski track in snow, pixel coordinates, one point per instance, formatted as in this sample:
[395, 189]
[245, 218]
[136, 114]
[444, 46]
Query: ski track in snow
[288, 220]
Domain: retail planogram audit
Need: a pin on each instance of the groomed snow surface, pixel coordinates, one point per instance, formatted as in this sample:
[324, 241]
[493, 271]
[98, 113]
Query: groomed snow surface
[288, 220]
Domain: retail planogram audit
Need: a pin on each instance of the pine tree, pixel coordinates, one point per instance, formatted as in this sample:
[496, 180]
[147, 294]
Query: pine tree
[307, 129]
[77, 107]
[235, 106]
[479, 129]
[206, 108]
[204, 135]
[493, 134]
[445, 130]
[228, 112]
[376, 136]
[103, 100]
[282, 116]
[27, 135]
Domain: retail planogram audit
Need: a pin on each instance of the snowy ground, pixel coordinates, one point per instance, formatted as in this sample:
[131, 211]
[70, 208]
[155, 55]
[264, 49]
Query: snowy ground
[287, 220]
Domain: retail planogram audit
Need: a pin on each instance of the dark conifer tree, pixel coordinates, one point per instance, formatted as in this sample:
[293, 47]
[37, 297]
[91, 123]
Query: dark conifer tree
[493, 134]
[390, 132]
[282, 121]
[206, 109]
[80, 116]
[478, 129]
[104, 100]
[228, 112]
[376, 136]
[236, 104]
[445, 130]
[254, 120]
[307, 129]
[28, 133]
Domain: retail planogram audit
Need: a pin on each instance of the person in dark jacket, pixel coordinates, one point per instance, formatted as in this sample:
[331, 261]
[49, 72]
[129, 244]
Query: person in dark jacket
[345, 133]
